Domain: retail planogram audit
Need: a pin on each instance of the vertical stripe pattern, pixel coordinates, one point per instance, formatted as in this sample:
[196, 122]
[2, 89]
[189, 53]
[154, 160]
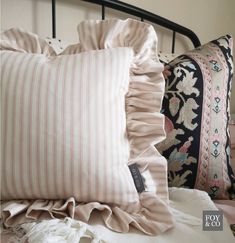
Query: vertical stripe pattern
[54, 102]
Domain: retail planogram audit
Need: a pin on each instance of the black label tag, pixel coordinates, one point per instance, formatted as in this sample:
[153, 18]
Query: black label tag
[138, 180]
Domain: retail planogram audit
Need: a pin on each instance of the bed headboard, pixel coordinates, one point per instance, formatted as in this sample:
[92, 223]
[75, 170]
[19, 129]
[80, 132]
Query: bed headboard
[138, 12]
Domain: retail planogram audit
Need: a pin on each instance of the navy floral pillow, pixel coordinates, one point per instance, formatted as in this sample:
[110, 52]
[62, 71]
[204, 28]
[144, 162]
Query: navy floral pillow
[196, 108]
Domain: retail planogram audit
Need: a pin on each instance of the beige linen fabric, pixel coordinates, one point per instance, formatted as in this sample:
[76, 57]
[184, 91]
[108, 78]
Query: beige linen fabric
[72, 123]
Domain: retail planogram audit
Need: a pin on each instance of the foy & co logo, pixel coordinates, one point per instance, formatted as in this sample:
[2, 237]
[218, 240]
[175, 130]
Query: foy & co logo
[212, 220]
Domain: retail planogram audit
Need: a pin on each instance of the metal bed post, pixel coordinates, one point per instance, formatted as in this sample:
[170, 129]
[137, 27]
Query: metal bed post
[103, 12]
[173, 43]
[53, 7]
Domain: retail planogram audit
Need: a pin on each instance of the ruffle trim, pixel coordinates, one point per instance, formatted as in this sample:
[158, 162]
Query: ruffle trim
[145, 123]
[18, 40]
[145, 127]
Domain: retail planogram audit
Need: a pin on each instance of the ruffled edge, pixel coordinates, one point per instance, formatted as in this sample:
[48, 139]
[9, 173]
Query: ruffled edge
[18, 40]
[145, 123]
[145, 127]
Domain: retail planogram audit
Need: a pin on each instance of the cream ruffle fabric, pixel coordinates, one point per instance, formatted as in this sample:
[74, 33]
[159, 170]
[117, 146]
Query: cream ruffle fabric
[145, 127]
[26, 42]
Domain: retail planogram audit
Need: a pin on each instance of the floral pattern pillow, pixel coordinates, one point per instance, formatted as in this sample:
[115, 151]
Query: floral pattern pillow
[196, 108]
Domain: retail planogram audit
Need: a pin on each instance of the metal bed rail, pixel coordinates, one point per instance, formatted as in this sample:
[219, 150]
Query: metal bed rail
[138, 12]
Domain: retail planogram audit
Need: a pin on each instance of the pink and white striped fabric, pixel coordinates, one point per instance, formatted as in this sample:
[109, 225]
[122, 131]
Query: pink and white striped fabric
[59, 111]
[72, 123]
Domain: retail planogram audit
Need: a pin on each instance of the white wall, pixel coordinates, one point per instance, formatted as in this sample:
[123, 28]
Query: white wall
[209, 19]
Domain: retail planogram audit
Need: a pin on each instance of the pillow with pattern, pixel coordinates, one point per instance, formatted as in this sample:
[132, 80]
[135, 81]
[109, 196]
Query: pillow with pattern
[196, 108]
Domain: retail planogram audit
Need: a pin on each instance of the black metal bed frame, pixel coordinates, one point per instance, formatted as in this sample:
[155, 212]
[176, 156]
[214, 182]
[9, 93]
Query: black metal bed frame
[138, 12]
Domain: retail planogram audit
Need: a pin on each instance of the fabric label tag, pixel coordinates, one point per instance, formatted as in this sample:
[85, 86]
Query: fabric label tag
[138, 180]
[212, 220]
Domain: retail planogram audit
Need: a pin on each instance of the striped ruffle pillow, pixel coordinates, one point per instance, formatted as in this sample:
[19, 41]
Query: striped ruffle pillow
[73, 123]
